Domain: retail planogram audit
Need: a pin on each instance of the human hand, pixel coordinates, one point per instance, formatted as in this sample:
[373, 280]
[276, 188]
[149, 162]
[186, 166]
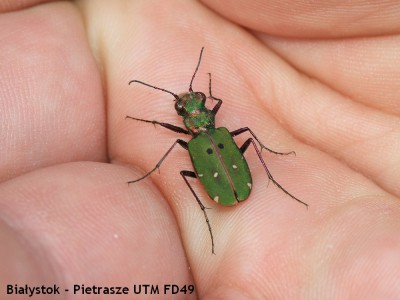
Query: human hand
[329, 95]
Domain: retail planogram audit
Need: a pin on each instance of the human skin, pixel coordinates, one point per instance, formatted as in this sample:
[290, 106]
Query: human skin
[320, 79]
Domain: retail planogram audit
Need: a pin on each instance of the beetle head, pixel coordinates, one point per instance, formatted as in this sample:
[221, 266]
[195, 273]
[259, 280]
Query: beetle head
[190, 102]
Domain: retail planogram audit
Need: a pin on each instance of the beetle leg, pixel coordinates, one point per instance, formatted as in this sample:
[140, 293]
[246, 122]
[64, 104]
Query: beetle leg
[244, 129]
[244, 147]
[165, 125]
[203, 208]
[218, 105]
[180, 142]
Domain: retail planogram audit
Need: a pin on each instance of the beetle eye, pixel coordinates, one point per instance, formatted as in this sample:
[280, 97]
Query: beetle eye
[178, 106]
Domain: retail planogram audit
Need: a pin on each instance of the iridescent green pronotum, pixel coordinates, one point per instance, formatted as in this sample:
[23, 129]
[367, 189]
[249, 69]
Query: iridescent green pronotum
[218, 162]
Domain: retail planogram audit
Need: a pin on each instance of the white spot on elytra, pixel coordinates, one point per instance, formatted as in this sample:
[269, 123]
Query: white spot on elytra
[200, 175]
[249, 184]
[234, 166]
[215, 174]
[216, 199]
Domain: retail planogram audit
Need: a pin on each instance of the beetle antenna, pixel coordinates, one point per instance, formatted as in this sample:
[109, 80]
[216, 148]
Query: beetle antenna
[195, 71]
[157, 88]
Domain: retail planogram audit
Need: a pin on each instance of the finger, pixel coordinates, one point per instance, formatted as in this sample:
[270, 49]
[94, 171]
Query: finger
[143, 145]
[6, 5]
[51, 99]
[89, 227]
[313, 19]
[364, 137]
[364, 70]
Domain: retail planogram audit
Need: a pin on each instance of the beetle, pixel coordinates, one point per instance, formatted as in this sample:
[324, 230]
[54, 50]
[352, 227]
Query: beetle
[217, 160]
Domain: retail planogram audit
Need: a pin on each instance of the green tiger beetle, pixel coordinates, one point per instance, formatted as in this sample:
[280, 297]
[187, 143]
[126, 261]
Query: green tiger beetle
[218, 162]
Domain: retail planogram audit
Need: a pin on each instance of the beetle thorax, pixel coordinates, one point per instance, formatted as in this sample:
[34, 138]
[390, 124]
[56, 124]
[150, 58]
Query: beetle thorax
[196, 117]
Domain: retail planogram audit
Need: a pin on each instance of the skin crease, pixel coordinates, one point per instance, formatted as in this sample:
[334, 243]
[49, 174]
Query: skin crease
[327, 91]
